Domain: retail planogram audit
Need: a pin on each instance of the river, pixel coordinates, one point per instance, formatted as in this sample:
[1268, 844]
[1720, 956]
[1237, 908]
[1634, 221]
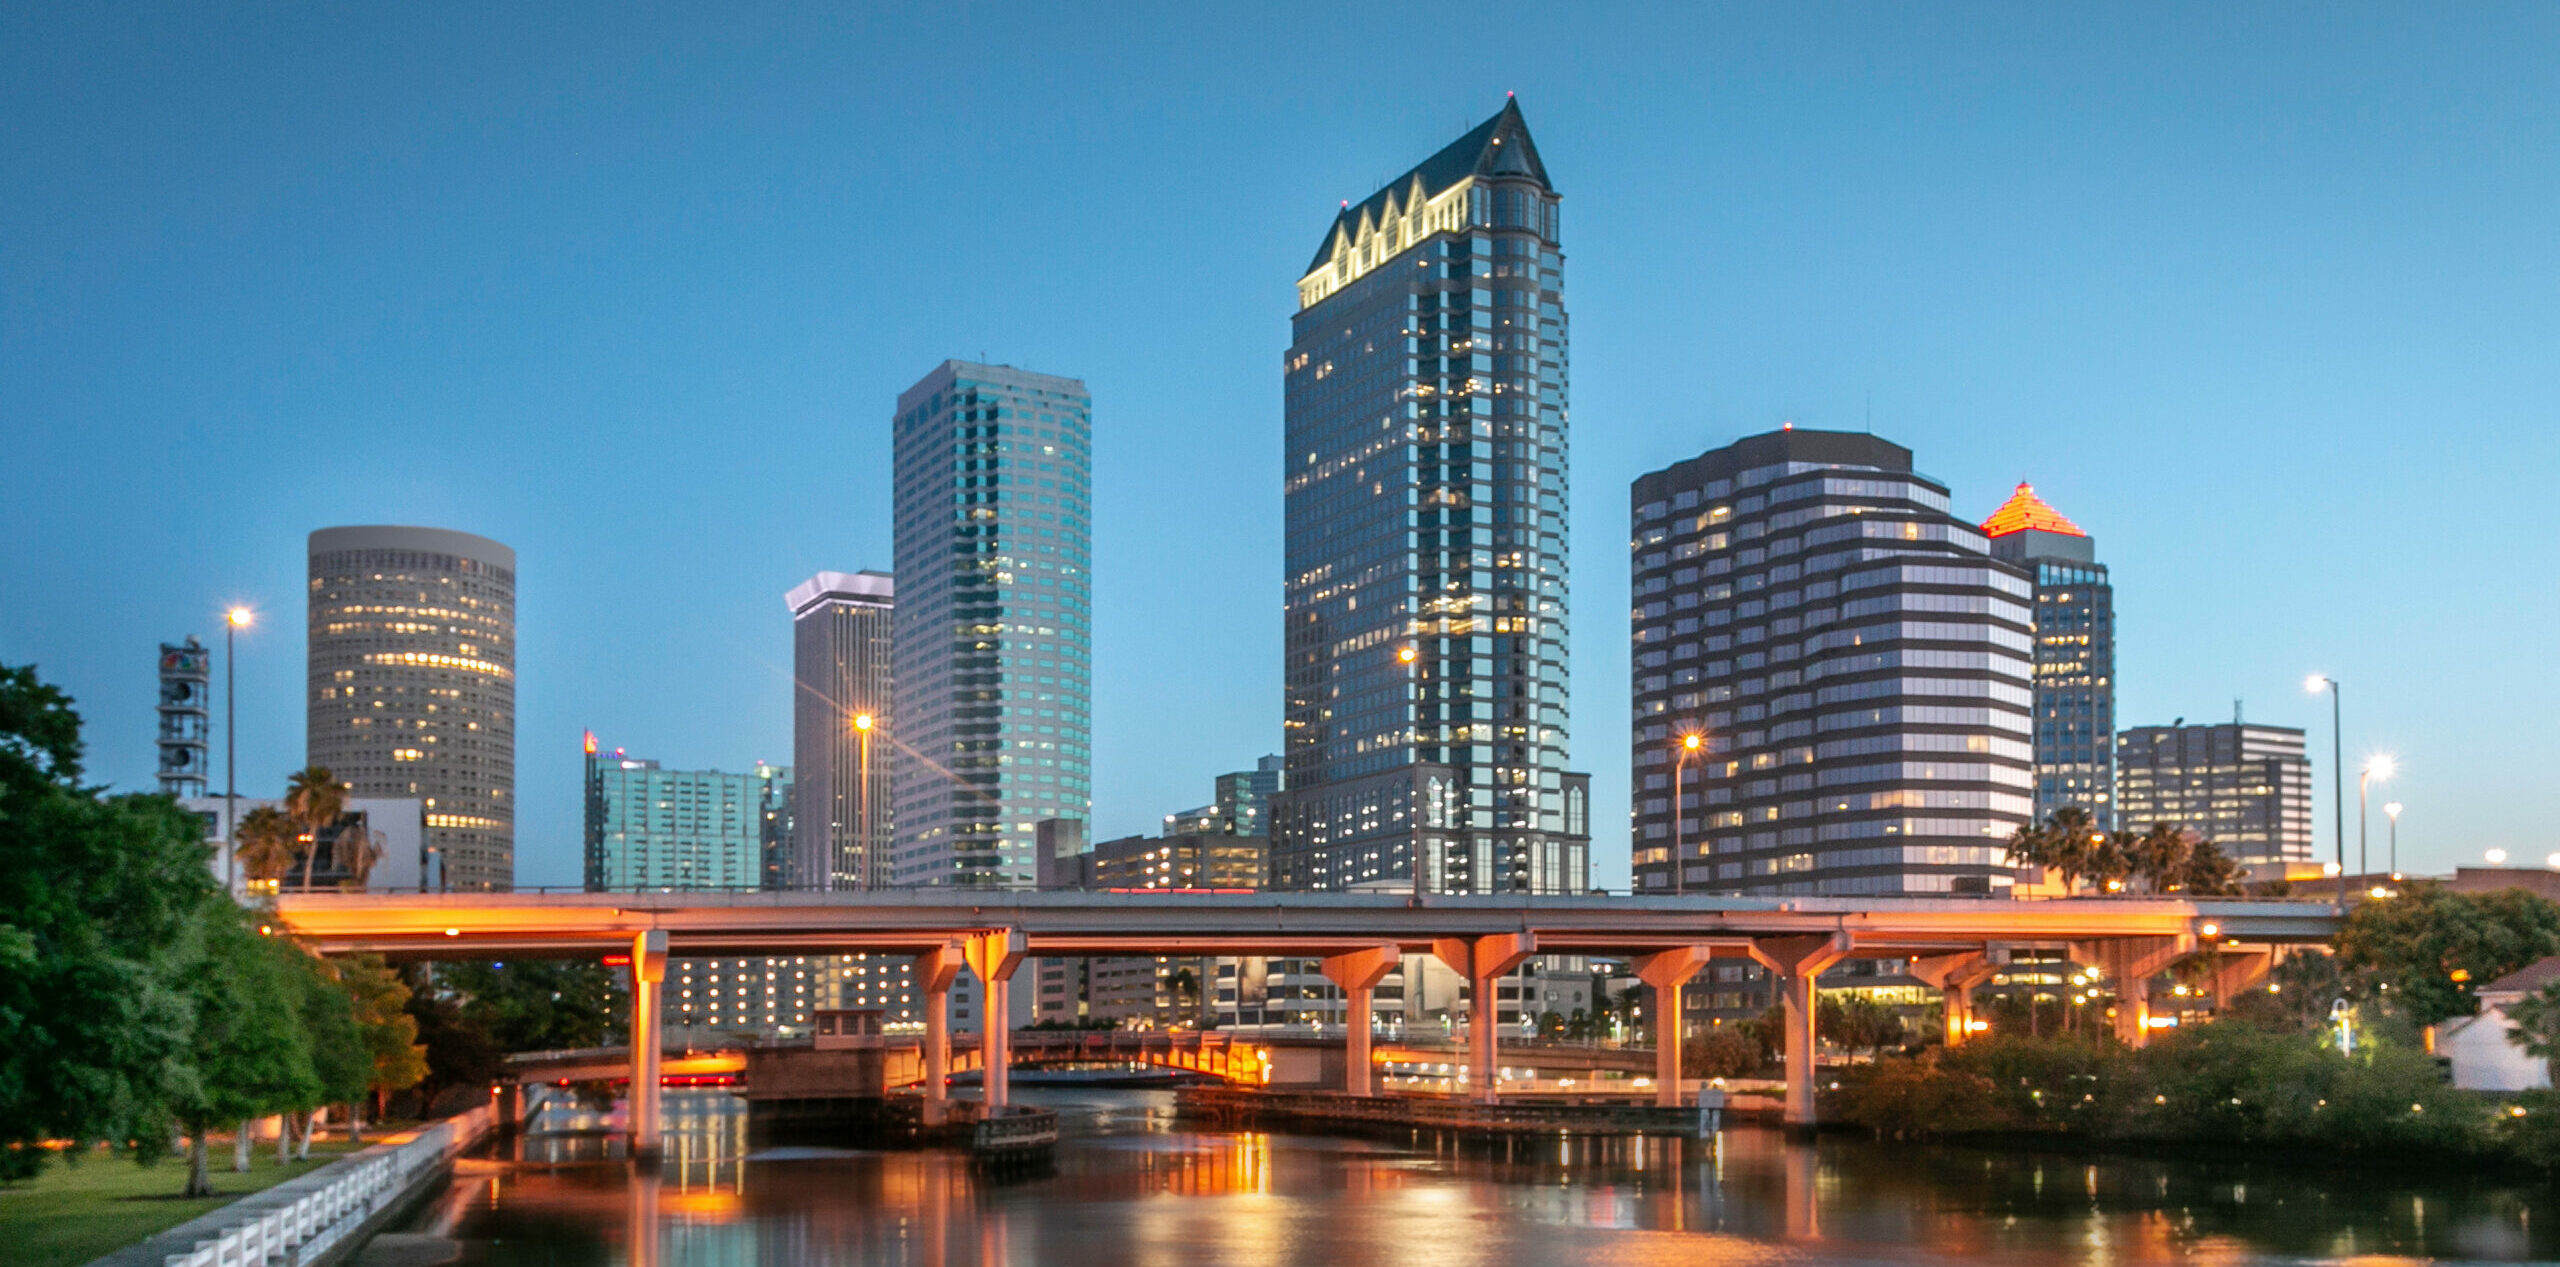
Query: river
[1134, 1188]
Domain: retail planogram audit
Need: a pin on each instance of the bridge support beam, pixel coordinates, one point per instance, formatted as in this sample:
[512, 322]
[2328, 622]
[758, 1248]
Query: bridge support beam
[2129, 963]
[1482, 961]
[994, 956]
[648, 981]
[935, 971]
[1358, 973]
[2239, 969]
[1667, 971]
[1797, 963]
[1955, 977]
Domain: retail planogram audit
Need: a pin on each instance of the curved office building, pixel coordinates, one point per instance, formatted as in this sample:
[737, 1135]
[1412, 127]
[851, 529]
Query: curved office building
[413, 685]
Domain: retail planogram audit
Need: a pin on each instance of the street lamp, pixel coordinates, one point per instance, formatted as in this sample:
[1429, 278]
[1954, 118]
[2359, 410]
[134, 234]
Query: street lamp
[1410, 658]
[2496, 857]
[233, 621]
[2375, 767]
[1690, 743]
[2315, 684]
[2391, 810]
[862, 801]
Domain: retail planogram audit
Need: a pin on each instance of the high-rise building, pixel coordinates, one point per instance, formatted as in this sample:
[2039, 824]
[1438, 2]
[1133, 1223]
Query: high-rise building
[186, 711]
[841, 640]
[1243, 807]
[2075, 653]
[994, 655]
[412, 673]
[1855, 666]
[2246, 788]
[652, 828]
[1425, 478]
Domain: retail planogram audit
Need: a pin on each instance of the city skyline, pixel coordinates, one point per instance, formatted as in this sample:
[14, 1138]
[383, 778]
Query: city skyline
[2110, 422]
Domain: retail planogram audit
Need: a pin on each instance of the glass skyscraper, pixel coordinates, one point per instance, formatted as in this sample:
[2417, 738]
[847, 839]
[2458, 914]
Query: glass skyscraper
[1854, 666]
[2075, 653]
[994, 643]
[1426, 487]
[842, 632]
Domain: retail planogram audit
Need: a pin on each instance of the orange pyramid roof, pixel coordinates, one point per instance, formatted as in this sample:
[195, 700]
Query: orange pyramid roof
[2025, 510]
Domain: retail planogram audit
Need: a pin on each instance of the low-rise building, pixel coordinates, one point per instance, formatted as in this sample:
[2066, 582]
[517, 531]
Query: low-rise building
[2482, 1050]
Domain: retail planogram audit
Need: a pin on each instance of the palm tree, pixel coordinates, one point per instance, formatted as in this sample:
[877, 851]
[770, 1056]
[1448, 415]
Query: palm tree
[2533, 1023]
[266, 844]
[357, 849]
[315, 798]
[2068, 844]
[2209, 872]
[2160, 856]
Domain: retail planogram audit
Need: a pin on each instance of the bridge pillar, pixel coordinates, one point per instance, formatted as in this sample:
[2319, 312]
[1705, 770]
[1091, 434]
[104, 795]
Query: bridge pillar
[1955, 976]
[1482, 961]
[2238, 969]
[994, 956]
[2129, 963]
[1666, 971]
[1797, 963]
[648, 978]
[935, 971]
[1358, 973]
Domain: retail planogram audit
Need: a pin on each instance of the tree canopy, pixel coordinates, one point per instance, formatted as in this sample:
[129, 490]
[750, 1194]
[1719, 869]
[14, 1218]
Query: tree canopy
[2429, 949]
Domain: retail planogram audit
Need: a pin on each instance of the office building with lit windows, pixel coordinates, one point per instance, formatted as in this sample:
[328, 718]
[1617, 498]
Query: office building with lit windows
[1858, 669]
[993, 663]
[412, 677]
[842, 635]
[2075, 610]
[652, 828]
[2246, 788]
[1426, 708]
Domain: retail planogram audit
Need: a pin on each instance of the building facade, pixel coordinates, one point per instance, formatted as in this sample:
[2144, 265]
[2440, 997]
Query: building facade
[1426, 718]
[412, 673]
[2244, 787]
[652, 828]
[842, 635]
[1242, 807]
[186, 715]
[2075, 608]
[1856, 668]
[994, 645]
[393, 828]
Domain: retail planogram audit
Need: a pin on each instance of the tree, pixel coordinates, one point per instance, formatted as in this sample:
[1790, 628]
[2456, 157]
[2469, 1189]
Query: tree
[2533, 1023]
[315, 798]
[358, 847]
[341, 1052]
[264, 844]
[249, 1055]
[2159, 856]
[2428, 949]
[380, 1000]
[2069, 844]
[535, 1004]
[1722, 1052]
[2210, 872]
[97, 895]
[458, 1048]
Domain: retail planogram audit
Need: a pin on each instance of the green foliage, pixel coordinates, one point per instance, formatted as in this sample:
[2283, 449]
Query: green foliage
[2069, 844]
[379, 1001]
[2533, 1023]
[2295, 997]
[535, 1004]
[1723, 1052]
[2428, 949]
[459, 1050]
[314, 798]
[1856, 1022]
[250, 1056]
[341, 1055]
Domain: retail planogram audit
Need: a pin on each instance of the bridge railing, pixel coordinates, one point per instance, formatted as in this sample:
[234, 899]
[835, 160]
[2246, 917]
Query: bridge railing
[312, 1224]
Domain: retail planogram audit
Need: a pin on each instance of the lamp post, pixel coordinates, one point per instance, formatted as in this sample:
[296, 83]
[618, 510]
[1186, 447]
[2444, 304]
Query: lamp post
[862, 799]
[2315, 684]
[2377, 767]
[1411, 659]
[1690, 743]
[2391, 811]
[233, 621]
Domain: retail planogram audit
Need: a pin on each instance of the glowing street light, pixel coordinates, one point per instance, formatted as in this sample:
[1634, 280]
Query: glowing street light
[1690, 743]
[862, 804]
[2391, 810]
[2496, 857]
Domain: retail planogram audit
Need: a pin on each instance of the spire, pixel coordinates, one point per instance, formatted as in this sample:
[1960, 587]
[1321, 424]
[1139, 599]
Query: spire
[2025, 511]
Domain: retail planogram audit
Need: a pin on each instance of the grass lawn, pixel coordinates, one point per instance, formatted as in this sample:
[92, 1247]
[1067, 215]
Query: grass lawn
[75, 1211]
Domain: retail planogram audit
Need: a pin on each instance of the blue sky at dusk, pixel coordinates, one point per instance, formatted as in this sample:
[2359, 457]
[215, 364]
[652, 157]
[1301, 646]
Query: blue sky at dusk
[2266, 297]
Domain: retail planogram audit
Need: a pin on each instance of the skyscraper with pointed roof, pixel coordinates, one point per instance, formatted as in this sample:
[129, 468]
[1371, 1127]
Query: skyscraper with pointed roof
[1425, 475]
[2075, 618]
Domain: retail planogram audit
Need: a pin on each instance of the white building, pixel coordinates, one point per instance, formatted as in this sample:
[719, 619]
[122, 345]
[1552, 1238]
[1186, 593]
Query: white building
[400, 821]
[2484, 1056]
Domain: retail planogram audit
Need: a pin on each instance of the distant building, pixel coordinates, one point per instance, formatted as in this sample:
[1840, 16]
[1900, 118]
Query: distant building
[994, 655]
[186, 704]
[2075, 660]
[1427, 700]
[1243, 807]
[652, 828]
[412, 672]
[842, 627]
[394, 826]
[2480, 1049]
[2245, 787]
[1855, 664]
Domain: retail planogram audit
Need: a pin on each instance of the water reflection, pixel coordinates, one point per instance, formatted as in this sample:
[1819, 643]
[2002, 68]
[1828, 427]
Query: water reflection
[1133, 1189]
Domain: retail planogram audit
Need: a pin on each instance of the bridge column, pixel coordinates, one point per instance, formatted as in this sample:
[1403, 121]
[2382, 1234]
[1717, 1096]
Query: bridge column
[1358, 973]
[994, 956]
[1666, 971]
[648, 978]
[1797, 963]
[2238, 969]
[1955, 976]
[935, 971]
[1482, 961]
[2129, 964]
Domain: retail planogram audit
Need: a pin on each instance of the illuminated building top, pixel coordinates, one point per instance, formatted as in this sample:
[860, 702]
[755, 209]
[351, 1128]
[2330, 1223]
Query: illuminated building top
[2023, 512]
[1441, 195]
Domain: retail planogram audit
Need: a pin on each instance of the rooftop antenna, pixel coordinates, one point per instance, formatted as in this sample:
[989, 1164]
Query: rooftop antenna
[2235, 711]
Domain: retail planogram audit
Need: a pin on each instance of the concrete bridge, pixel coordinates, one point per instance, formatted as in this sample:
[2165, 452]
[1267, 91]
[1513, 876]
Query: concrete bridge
[1359, 937]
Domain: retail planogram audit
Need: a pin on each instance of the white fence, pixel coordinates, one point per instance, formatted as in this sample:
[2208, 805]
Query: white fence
[313, 1224]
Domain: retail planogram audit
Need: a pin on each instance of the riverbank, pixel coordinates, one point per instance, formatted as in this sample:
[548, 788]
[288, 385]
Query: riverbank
[79, 1209]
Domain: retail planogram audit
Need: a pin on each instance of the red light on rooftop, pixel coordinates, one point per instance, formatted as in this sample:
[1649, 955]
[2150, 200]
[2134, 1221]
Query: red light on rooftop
[591, 743]
[2023, 511]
